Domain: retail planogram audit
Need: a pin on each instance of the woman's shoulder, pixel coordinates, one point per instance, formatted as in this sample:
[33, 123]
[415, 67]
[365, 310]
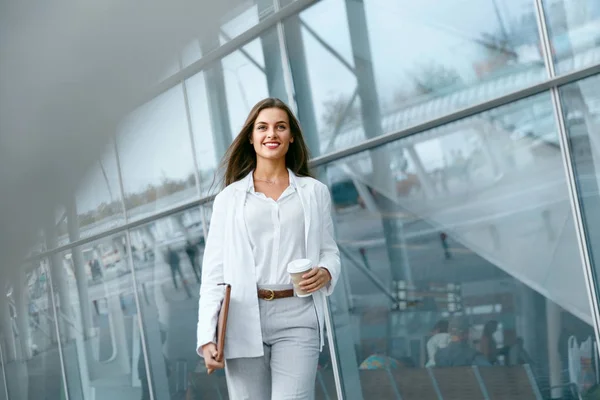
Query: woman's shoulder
[320, 189]
[226, 194]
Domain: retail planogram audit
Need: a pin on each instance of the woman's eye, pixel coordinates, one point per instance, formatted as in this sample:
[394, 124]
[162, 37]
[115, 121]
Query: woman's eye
[281, 127]
[260, 128]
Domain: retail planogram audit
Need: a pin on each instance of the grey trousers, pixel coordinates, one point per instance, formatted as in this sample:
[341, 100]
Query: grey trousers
[288, 369]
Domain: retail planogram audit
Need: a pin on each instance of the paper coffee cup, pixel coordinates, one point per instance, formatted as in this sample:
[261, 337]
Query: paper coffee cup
[296, 269]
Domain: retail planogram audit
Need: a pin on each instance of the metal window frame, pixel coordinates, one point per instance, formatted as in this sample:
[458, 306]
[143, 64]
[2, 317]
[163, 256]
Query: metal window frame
[233, 45]
[196, 165]
[371, 144]
[136, 294]
[459, 114]
[569, 170]
[550, 85]
[285, 60]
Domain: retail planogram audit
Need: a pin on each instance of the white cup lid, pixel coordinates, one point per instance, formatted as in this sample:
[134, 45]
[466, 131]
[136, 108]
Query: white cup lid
[299, 265]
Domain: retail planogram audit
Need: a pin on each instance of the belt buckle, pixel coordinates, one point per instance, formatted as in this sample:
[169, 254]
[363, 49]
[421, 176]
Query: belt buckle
[271, 295]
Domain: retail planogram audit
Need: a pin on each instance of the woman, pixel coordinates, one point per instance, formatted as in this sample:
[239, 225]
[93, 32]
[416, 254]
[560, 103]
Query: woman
[440, 338]
[270, 213]
[488, 345]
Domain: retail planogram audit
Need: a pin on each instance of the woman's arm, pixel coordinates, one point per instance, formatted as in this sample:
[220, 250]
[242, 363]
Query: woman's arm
[211, 293]
[330, 254]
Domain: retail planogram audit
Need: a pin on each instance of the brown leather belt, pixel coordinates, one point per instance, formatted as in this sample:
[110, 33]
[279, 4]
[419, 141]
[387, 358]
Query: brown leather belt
[268, 294]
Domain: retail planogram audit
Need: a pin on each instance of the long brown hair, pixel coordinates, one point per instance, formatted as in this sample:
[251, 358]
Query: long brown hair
[240, 158]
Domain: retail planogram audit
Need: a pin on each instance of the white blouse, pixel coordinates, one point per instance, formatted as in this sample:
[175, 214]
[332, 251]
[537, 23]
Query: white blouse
[276, 231]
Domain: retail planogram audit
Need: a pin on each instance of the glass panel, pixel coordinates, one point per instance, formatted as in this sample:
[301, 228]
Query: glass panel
[574, 29]
[156, 156]
[222, 96]
[581, 101]
[245, 18]
[245, 82]
[168, 279]
[468, 223]
[29, 345]
[447, 56]
[99, 322]
[322, 66]
[207, 153]
[237, 21]
[98, 204]
[242, 18]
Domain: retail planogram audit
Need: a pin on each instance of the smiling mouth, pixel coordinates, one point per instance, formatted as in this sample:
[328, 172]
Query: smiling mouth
[272, 145]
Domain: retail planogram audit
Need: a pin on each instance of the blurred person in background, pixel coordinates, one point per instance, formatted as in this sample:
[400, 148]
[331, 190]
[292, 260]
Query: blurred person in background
[192, 252]
[459, 352]
[175, 264]
[439, 340]
[488, 344]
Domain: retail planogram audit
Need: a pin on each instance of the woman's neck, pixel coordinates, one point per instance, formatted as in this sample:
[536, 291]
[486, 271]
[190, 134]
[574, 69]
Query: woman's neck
[270, 169]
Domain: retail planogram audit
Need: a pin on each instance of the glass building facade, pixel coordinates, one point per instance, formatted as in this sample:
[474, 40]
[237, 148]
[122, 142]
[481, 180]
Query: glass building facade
[461, 144]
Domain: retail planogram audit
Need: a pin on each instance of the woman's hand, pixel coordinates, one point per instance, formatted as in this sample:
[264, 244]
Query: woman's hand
[210, 353]
[315, 279]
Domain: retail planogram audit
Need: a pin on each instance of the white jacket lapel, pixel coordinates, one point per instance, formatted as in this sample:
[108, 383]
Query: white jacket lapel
[239, 223]
[304, 195]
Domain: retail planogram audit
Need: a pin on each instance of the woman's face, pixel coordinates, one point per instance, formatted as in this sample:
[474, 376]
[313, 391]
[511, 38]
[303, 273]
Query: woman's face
[271, 135]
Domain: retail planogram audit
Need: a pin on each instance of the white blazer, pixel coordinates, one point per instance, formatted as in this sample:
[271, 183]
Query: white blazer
[228, 258]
